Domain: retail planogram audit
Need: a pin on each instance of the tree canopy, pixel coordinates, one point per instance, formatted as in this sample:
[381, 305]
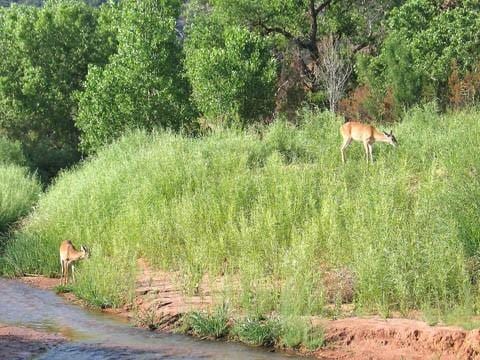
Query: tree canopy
[45, 56]
[142, 85]
[232, 71]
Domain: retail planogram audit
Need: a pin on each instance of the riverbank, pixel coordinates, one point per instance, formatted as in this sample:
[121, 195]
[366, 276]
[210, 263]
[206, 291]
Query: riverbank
[159, 304]
[18, 342]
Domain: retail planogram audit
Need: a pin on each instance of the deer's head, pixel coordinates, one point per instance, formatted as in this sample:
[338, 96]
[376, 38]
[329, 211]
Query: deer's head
[390, 138]
[85, 252]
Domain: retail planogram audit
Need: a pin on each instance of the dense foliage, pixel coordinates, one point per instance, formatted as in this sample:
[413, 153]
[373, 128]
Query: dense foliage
[45, 56]
[424, 40]
[142, 86]
[232, 71]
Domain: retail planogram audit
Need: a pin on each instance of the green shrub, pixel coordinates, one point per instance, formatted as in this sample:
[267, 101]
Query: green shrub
[231, 70]
[257, 331]
[11, 152]
[297, 331]
[208, 325]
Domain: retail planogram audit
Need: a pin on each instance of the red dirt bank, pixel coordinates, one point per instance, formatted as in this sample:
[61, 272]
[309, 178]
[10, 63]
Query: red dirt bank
[350, 338]
[23, 343]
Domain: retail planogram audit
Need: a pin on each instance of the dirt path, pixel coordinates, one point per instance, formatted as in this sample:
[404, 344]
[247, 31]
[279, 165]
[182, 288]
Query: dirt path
[24, 343]
[159, 299]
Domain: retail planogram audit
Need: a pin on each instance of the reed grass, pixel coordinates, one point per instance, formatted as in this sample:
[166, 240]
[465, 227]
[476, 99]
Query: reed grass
[19, 190]
[276, 212]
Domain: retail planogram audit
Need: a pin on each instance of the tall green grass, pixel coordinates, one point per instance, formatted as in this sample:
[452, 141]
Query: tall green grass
[276, 213]
[11, 152]
[19, 190]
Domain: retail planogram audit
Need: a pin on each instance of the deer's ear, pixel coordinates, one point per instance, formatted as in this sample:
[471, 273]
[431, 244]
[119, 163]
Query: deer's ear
[391, 132]
[385, 132]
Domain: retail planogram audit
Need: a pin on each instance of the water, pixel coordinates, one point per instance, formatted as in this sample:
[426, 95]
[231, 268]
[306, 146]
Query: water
[99, 336]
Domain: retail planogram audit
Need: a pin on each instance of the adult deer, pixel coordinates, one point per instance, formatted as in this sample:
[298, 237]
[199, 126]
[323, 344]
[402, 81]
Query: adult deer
[367, 134]
[69, 255]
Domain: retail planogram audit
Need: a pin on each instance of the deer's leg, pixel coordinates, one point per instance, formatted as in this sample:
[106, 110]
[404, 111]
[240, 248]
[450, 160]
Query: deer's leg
[365, 146]
[73, 272]
[370, 151]
[61, 268]
[346, 142]
[67, 265]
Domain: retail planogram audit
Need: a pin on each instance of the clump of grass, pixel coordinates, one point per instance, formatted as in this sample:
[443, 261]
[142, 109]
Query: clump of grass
[113, 285]
[214, 325]
[148, 318]
[297, 331]
[62, 289]
[256, 331]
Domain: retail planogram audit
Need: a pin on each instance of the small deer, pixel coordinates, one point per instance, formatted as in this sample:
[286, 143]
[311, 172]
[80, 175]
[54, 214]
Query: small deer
[353, 130]
[68, 255]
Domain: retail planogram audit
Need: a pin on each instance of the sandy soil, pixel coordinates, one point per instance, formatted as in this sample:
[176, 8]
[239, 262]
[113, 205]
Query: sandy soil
[376, 338]
[159, 300]
[24, 343]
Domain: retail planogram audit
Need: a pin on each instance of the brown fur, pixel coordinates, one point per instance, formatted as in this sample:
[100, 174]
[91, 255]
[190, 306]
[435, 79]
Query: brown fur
[69, 255]
[367, 134]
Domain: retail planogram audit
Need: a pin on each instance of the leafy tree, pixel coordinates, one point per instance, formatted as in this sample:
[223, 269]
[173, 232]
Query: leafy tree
[425, 38]
[45, 56]
[142, 86]
[231, 69]
[305, 22]
[40, 2]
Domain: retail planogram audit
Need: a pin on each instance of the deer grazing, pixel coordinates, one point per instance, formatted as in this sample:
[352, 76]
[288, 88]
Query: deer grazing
[367, 134]
[68, 255]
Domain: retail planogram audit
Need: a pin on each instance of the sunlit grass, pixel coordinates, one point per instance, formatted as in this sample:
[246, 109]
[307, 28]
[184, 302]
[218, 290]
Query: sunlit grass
[19, 191]
[275, 213]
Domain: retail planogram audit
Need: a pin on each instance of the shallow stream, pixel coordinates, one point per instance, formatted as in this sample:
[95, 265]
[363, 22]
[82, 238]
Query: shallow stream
[94, 335]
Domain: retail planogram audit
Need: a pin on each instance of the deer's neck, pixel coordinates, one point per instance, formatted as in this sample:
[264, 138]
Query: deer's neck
[379, 136]
[76, 256]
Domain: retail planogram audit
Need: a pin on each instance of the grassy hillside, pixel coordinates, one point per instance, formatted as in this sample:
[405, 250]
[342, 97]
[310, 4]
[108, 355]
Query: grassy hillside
[278, 213]
[18, 192]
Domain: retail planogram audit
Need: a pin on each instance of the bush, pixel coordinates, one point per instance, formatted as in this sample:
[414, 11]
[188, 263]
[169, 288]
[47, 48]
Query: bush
[257, 331]
[296, 332]
[208, 325]
[11, 152]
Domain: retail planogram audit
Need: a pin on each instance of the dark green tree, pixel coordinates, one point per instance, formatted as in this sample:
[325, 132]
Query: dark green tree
[45, 56]
[142, 86]
[424, 38]
[231, 70]
[304, 23]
